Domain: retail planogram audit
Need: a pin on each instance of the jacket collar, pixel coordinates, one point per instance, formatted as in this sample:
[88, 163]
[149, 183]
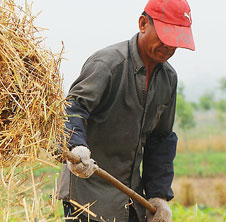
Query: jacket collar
[136, 60]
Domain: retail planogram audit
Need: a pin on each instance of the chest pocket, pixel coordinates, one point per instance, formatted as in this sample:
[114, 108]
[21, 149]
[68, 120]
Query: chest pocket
[160, 110]
[153, 116]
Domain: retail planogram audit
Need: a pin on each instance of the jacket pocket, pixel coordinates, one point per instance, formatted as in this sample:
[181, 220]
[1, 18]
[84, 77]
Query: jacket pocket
[156, 112]
[160, 110]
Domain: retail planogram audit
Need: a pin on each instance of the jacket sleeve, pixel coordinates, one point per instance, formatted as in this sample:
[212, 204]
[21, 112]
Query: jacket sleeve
[159, 153]
[75, 126]
[87, 93]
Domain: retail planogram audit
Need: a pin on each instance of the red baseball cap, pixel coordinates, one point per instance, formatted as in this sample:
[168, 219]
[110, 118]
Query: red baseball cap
[172, 21]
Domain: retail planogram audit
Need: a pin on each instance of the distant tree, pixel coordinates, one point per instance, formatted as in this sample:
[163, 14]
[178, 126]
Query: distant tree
[221, 108]
[184, 111]
[207, 100]
[194, 105]
[221, 105]
[222, 83]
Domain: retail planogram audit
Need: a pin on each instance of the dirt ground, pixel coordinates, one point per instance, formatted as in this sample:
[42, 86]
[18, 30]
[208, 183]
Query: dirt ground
[210, 191]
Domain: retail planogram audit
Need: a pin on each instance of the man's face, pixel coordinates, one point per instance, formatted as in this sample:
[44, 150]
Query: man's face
[151, 46]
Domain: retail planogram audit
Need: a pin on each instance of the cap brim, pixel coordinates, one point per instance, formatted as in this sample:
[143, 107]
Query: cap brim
[173, 35]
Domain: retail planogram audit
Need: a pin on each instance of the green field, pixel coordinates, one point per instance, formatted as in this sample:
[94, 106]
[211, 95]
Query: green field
[200, 164]
[197, 213]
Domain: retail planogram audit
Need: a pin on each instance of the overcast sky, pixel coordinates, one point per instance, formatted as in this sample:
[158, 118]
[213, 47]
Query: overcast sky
[89, 25]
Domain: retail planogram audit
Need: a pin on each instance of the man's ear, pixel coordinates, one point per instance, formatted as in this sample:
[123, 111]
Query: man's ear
[142, 23]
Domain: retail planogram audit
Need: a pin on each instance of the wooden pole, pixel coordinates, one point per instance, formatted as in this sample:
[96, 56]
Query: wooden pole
[112, 180]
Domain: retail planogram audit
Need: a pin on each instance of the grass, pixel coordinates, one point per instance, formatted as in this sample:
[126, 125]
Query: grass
[49, 174]
[197, 213]
[46, 213]
[200, 164]
[27, 194]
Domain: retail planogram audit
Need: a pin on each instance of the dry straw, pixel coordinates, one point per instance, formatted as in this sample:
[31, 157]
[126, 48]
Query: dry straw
[187, 193]
[31, 96]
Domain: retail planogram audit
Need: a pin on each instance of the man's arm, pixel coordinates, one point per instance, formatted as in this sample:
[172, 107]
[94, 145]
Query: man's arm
[75, 126]
[87, 93]
[159, 153]
[158, 166]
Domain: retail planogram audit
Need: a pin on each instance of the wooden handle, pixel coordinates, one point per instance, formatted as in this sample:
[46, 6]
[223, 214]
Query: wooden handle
[131, 193]
[112, 180]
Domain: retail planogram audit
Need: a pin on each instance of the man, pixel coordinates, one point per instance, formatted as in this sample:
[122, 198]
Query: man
[122, 109]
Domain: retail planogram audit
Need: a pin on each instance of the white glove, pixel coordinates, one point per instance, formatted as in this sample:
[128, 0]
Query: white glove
[163, 212]
[86, 167]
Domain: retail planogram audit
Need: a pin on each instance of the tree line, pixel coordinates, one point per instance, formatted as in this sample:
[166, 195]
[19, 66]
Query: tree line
[185, 110]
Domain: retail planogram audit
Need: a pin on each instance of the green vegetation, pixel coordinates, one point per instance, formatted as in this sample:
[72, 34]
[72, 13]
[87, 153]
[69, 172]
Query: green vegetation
[201, 157]
[222, 83]
[200, 164]
[206, 101]
[197, 213]
[184, 111]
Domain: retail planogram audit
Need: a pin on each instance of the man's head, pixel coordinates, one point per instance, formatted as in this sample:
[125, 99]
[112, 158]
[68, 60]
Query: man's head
[164, 26]
[151, 48]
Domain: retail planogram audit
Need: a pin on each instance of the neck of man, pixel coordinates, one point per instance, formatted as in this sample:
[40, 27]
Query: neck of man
[149, 64]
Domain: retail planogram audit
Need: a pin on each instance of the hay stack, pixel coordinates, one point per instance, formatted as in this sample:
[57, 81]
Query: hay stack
[31, 96]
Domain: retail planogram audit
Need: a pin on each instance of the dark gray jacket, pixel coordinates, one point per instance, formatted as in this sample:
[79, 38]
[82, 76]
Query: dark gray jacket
[122, 124]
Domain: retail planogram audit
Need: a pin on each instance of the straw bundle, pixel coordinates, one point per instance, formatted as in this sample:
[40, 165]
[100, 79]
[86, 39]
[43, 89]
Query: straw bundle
[31, 96]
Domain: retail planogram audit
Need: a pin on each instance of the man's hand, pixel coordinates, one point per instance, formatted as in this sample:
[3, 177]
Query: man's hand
[163, 212]
[86, 167]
